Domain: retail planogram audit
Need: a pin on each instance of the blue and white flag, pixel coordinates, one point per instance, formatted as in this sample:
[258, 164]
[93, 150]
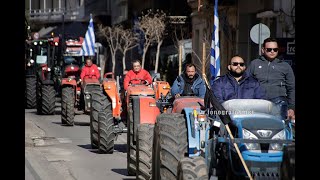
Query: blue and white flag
[89, 40]
[215, 46]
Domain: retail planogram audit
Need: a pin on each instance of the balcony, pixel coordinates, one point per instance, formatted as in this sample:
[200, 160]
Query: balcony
[56, 15]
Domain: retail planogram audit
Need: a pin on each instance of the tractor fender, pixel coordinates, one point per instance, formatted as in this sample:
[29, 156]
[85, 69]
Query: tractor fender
[161, 87]
[193, 134]
[149, 110]
[145, 111]
[186, 101]
[110, 87]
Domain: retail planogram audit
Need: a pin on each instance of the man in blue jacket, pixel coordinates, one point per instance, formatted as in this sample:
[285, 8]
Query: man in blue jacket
[237, 84]
[190, 82]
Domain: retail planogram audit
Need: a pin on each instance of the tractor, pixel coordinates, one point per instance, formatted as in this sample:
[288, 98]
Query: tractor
[239, 139]
[169, 110]
[75, 94]
[40, 84]
[142, 109]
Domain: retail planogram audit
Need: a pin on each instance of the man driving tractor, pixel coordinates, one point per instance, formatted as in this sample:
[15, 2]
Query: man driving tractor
[90, 70]
[137, 75]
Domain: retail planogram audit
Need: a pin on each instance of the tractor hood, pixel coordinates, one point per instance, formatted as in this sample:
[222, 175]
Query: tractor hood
[257, 122]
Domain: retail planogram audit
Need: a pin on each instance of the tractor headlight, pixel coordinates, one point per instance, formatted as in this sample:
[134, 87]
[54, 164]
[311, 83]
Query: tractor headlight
[31, 61]
[49, 69]
[40, 42]
[28, 64]
[56, 43]
[249, 135]
[35, 43]
[278, 146]
[72, 67]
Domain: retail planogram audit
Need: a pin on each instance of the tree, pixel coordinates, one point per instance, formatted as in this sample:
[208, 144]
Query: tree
[152, 25]
[128, 40]
[112, 35]
[159, 20]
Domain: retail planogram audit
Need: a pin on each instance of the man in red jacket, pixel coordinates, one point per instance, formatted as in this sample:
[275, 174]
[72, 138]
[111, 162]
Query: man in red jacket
[89, 70]
[136, 75]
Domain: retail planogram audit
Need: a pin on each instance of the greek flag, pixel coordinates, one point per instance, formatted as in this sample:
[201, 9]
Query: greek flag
[215, 46]
[89, 41]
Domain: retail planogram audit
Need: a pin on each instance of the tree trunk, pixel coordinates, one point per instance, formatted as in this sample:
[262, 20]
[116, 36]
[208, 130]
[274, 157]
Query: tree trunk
[113, 62]
[124, 60]
[102, 64]
[144, 54]
[157, 56]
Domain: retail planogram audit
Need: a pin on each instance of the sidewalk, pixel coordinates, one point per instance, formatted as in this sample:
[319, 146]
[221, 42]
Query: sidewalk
[36, 164]
[32, 131]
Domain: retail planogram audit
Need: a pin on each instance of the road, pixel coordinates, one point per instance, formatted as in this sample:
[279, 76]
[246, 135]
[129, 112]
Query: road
[54, 151]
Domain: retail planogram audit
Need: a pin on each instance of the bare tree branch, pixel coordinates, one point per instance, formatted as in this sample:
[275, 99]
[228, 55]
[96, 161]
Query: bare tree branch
[128, 40]
[112, 35]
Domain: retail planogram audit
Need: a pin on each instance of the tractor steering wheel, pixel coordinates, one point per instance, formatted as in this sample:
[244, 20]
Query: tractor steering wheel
[140, 82]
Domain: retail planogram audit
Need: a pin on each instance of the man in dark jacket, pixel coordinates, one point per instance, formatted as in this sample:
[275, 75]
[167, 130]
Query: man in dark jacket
[190, 82]
[237, 84]
[276, 77]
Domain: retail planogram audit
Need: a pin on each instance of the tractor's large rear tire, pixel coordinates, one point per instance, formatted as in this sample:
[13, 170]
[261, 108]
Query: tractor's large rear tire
[106, 134]
[131, 146]
[31, 97]
[193, 168]
[288, 162]
[170, 145]
[67, 106]
[48, 95]
[144, 151]
[98, 104]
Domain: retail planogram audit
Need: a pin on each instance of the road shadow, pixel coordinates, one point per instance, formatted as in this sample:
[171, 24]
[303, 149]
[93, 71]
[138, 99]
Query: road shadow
[123, 172]
[120, 148]
[82, 123]
[89, 148]
[75, 123]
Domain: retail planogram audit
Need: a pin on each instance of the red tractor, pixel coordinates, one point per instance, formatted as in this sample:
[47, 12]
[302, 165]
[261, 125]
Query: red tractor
[75, 95]
[170, 111]
[105, 115]
[141, 110]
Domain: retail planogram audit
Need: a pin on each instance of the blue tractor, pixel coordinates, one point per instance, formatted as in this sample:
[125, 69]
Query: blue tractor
[240, 139]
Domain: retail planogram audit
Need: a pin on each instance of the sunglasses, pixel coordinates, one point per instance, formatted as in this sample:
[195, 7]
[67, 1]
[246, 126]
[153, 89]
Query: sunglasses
[270, 49]
[237, 63]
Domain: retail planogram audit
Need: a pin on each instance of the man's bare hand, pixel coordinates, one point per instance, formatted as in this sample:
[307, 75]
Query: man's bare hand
[177, 95]
[291, 114]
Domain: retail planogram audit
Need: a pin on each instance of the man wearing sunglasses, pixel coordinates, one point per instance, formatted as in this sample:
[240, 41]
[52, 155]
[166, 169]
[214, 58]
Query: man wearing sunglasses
[237, 84]
[276, 77]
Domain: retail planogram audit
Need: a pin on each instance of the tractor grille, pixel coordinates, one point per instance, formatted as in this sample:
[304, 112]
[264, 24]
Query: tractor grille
[264, 169]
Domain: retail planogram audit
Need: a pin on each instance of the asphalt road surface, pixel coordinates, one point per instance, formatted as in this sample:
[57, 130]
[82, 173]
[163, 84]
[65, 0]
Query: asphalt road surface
[60, 152]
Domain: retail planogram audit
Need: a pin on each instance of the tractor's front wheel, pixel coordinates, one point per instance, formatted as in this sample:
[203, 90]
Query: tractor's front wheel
[97, 105]
[170, 145]
[131, 145]
[67, 106]
[144, 151]
[48, 99]
[288, 162]
[193, 168]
